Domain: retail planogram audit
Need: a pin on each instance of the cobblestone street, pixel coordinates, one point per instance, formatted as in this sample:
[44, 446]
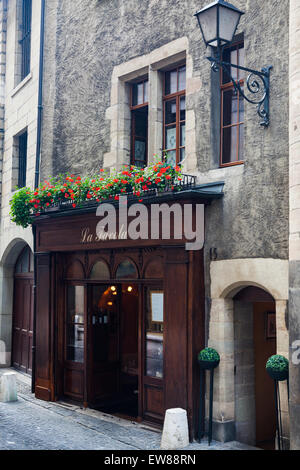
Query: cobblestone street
[31, 424]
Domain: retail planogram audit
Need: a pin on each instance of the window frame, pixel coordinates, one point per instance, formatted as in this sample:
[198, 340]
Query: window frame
[22, 159]
[170, 97]
[134, 108]
[25, 41]
[226, 87]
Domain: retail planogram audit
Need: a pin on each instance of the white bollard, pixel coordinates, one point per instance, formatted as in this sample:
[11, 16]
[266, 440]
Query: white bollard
[8, 387]
[175, 433]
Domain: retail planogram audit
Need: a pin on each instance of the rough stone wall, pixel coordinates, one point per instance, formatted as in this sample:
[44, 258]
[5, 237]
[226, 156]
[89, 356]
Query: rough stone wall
[294, 253]
[21, 101]
[3, 26]
[245, 375]
[93, 36]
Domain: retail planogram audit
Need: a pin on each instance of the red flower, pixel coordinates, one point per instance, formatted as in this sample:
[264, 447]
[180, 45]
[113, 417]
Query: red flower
[117, 198]
[168, 177]
[74, 205]
[89, 196]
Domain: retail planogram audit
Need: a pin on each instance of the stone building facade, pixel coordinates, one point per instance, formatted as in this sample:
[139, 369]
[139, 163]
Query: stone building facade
[247, 232]
[94, 52]
[19, 112]
[294, 251]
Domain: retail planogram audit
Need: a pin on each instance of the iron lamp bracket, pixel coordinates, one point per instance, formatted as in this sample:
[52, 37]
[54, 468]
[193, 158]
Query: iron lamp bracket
[258, 83]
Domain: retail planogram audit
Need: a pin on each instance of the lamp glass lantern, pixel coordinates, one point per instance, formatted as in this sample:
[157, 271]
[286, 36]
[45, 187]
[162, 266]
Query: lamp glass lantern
[218, 22]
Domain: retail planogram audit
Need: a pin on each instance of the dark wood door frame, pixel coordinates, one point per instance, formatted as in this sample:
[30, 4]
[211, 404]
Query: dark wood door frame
[87, 367]
[22, 333]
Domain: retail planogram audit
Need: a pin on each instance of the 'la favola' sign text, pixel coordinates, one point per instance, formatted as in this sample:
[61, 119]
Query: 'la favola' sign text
[157, 222]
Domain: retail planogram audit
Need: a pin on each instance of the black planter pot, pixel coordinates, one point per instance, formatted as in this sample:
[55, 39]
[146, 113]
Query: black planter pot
[278, 375]
[208, 365]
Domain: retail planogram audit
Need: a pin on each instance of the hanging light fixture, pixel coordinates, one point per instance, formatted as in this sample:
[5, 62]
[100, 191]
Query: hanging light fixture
[218, 23]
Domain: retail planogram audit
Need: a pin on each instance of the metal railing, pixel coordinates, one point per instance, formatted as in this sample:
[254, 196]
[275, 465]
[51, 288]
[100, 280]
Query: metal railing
[186, 182]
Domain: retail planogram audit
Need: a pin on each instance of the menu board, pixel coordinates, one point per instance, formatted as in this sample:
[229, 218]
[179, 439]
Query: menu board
[157, 306]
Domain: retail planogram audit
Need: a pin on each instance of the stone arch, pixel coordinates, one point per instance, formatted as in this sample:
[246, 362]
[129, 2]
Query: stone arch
[228, 279]
[8, 260]
[229, 276]
[12, 251]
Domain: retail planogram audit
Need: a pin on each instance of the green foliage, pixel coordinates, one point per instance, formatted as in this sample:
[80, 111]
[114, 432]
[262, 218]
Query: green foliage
[277, 363]
[20, 209]
[27, 203]
[209, 354]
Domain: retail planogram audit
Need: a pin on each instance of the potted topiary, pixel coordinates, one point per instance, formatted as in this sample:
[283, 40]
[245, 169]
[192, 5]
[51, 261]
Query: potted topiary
[278, 367]
[208, 359]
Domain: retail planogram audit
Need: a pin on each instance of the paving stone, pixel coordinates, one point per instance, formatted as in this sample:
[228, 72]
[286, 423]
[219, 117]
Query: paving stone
[31, 424]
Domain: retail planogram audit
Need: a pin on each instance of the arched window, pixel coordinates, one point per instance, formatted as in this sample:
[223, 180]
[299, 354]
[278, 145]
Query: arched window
[126, 270]
[100, 271]
[154, 270]
[75, 270]
[25, 263]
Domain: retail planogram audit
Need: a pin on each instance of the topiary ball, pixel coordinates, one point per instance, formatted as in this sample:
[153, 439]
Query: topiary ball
[208, 358]
[278, 367]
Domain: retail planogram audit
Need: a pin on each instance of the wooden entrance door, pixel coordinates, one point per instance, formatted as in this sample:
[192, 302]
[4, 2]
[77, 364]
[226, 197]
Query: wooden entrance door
[125, 370]
[23, 313]
[264, 348]
[103, 349]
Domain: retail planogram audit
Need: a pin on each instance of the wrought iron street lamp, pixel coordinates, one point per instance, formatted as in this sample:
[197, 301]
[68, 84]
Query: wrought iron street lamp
[218, 23]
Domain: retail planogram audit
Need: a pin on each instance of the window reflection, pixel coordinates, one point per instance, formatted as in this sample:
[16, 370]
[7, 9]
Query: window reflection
[75, 324]
[104, 320]
[232, 106]
[174, 115]
[154, 333]
[126, 270]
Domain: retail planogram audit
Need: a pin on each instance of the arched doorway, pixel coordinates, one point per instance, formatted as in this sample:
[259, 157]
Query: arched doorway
[255, 342]
[22, 328]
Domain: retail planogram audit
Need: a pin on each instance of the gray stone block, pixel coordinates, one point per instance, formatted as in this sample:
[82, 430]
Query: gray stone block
[223, 431]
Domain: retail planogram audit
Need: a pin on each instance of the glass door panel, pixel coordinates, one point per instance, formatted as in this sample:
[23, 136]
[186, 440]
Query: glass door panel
[154, 333]
[74, 330]
[104, 319]
[75, 324]
[103, 344]
[153, 397]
